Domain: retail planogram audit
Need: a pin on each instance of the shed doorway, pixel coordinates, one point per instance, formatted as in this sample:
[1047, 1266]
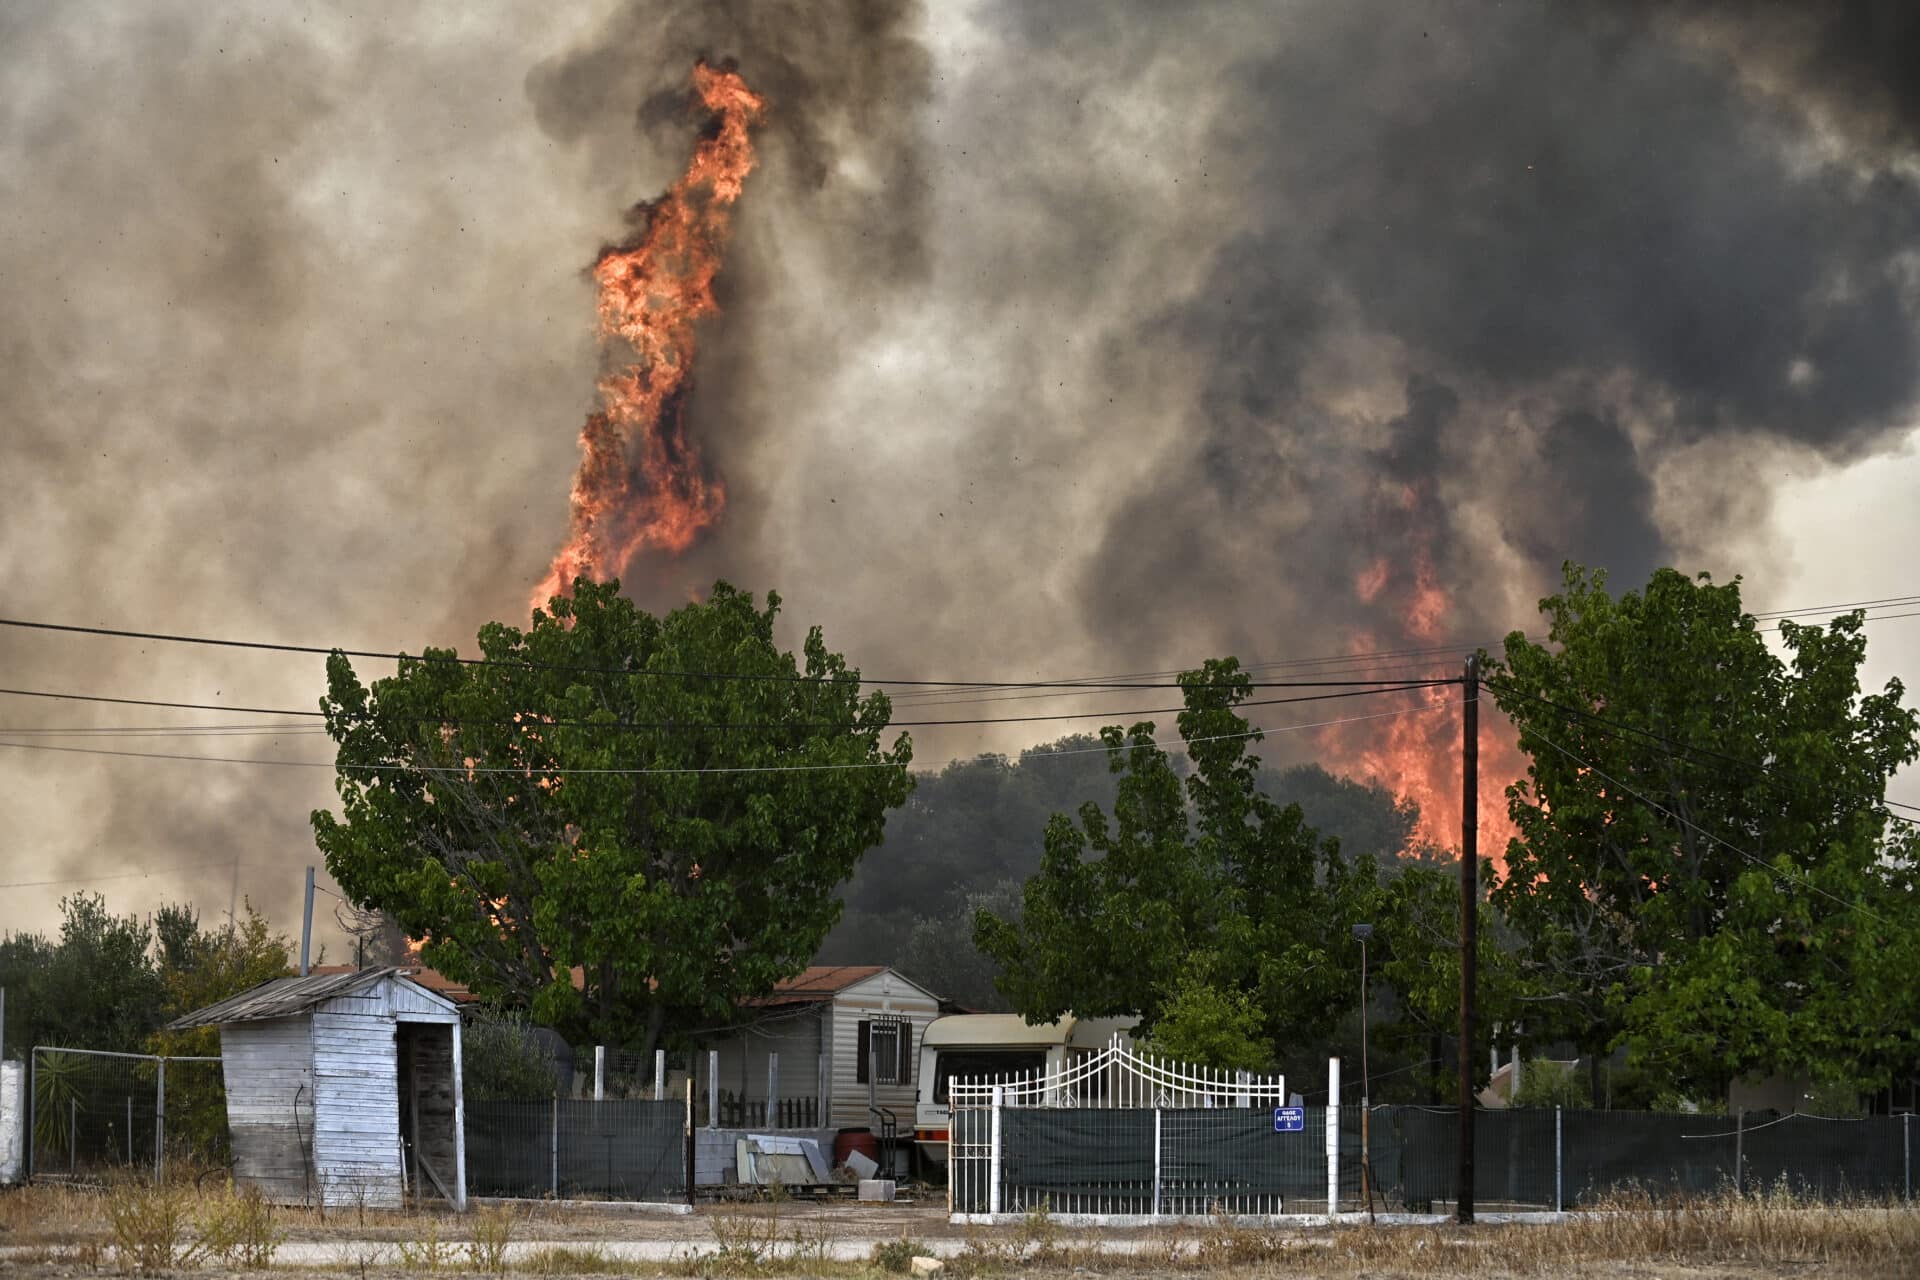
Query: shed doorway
[429, 1120]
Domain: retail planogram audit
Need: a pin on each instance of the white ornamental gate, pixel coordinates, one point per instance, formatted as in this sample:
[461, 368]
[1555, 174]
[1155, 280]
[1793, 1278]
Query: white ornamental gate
[1117, 1133]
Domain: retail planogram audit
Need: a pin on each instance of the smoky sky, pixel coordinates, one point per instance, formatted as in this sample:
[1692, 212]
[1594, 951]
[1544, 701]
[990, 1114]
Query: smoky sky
[1056, 339]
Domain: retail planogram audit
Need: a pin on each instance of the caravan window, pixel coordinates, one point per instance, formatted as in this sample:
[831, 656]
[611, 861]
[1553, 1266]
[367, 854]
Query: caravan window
[971, 1063]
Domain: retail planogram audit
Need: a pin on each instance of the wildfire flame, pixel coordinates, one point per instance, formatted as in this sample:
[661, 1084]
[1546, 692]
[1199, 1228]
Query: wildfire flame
[642, 485]
[1417, 754]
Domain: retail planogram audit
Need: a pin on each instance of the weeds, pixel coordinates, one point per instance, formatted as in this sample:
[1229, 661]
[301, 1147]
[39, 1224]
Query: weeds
[565, 1260]
[429, 1252]
[492, 1232]
[238, 1228]
[897, 1255]
[149, 1228]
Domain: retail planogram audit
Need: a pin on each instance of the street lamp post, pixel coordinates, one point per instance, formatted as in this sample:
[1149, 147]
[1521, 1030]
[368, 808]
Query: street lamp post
[1362, 932]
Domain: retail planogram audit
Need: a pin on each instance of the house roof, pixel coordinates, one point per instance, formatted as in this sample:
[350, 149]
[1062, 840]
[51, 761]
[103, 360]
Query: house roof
[285, 997]
[817, 984]
[432, 979]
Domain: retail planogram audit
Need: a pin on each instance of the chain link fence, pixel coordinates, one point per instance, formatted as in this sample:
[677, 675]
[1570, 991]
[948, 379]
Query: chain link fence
[1195, 1161]
[92, 1113]
[571, 1148]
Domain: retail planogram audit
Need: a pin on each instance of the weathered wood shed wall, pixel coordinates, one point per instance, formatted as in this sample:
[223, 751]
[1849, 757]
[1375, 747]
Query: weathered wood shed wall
[317, 1105]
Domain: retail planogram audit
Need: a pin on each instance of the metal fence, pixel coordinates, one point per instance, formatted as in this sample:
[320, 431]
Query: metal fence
[1563, 1159]
[617, 1149]
[91, 1113]
[1120, 1133]
[1192, 1161]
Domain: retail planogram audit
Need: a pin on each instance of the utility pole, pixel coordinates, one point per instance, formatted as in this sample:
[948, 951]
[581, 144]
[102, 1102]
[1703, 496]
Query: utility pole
[306, 924]
[1469, 923]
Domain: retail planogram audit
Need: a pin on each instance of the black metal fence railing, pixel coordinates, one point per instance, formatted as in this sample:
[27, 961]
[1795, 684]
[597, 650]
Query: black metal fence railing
[569, 1148]
[751, 1113]
[1183, 1161]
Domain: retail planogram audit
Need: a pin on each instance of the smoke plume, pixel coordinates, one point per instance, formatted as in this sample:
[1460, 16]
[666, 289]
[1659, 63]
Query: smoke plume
[1054, 339]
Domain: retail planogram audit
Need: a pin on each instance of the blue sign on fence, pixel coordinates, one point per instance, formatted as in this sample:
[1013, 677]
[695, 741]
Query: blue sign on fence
[1289, 1119]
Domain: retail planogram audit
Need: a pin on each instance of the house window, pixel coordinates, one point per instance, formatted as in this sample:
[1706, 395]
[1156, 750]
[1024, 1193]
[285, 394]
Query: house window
[885, 1051]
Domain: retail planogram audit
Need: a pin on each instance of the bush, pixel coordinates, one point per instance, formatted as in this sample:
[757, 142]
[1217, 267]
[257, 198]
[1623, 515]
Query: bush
[501, 1059]
[1552, 1084]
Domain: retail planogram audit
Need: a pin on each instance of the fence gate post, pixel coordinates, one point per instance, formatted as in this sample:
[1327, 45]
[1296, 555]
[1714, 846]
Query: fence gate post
[993, 1153]
[1333, 1136]
[1156, 1162]
[1559, 1198]
[1739, 1151]
[160, 1124]
[713, 1088]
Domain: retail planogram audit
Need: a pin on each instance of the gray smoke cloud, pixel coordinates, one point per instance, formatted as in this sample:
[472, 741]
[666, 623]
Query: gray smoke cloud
[1056, 339]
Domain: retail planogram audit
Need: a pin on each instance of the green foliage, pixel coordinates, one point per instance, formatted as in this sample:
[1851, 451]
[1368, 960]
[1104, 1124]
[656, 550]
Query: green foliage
[941, 956]
[96, 987]
[1208, 1025]
[1205, 864]
[472, 812]
[1703, 871]
[502, 1059]
[1552, 1084]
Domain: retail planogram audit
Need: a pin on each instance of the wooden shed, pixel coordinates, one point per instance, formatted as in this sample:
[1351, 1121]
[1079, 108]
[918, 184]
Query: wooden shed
[343, 1089]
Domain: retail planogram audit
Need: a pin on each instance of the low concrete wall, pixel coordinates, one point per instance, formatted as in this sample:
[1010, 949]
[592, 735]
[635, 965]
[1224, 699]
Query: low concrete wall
[13, 1121]
[715, 1162]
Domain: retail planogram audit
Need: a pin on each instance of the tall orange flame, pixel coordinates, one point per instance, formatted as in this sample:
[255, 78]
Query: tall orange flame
[1417, 754]
[642, 485]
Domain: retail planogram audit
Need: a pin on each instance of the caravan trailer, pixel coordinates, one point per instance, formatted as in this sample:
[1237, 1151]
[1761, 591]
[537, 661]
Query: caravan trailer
[970, 1045]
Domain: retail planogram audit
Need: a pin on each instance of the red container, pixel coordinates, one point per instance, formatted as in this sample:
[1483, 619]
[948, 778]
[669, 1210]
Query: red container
[848, 1141]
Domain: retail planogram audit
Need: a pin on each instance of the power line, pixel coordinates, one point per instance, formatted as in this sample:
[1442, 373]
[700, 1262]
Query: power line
[779, 678]
[225, 865]
[811, 768]
[1657, 807]
[1346, 689]
[1685, 749]
[944, 685]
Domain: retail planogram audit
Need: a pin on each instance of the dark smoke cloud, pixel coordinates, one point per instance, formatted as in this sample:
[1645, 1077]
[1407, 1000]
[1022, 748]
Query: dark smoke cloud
[1057, 338]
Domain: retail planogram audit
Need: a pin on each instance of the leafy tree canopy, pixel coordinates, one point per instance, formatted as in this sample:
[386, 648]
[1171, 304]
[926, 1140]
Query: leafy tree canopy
[496, 813]
[1705, 870]
[1205, 869]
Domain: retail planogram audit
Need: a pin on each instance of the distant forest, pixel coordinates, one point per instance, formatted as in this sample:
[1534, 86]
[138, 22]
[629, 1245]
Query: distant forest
[971, 834]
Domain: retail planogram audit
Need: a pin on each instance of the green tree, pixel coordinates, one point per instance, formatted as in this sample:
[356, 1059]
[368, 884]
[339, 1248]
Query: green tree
[1210, 1025]
[199, 967]
[95, 987]
[1208, 865]
[941, 956]
[1704, 870]
[624, 823]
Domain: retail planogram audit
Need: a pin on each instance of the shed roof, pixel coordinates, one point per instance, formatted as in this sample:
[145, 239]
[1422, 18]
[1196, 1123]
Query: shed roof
[285, 997]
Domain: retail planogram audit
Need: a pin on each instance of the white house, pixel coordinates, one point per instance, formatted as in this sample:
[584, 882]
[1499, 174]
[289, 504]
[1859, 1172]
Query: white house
[832, 1044]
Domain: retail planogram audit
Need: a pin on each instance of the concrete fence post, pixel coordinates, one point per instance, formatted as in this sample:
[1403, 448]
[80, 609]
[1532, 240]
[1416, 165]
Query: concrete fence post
[1333, 1136]
[553, 1151]
[993, 1153]
[659, 1074]
[599, 1072]
[713, 1088]
[1906, 1135]
[773, 1090]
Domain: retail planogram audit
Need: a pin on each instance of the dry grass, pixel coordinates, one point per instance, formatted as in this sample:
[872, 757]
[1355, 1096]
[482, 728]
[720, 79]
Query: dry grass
[1774, 1234]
